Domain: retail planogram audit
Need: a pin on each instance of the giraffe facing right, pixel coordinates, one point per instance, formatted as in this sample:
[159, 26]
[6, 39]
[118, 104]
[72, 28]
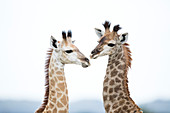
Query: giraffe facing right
[116, 95]
[56, 95]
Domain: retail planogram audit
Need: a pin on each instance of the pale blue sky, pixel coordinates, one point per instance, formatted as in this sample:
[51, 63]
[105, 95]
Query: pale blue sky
[26, 27]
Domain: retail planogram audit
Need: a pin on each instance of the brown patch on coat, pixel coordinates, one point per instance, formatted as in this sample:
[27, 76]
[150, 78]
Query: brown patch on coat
[105, 89]
[115, 106]
[117, 80]
[60, 78]
[111, 67]
[114, 95]
[105, 97]
[59, 95]
[51, 105]
[107, 108]
[62, 111]
[54, 100]
[106, 80]
[114, 73]
[56, 68]
[52, 93]
[111, 90]
[125, 107]
[59, 105]
[117, 88]
[117, 63]
[64, 100]
[55, 110]
[121, 102]
[121, 67]
[49, 111]
[112, 82]
[59, 73]
[52, 82]
[120, 75]
[61, 86]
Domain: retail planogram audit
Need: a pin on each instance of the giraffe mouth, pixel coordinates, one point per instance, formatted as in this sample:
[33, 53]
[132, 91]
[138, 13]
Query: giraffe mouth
[94, 56]
[85, 65]
[85, 62]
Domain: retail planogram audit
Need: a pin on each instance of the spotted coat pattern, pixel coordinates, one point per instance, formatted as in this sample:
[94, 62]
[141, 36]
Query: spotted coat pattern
[116, 95]
[58, 94]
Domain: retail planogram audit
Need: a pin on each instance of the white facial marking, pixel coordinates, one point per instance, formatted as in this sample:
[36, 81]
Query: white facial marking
[112, 41]
[106, 50]
[70, 58]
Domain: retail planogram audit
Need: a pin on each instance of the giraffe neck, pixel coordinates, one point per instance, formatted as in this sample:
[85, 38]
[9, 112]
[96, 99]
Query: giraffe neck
[115, 88]
[58, 93]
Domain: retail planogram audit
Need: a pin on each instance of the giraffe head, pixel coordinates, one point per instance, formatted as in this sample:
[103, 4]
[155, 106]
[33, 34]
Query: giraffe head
[109, 42]
[67, 52]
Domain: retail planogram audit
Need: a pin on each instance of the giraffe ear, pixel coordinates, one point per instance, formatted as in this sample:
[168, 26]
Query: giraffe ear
[123, 38]
[53, 42]
[99, 32]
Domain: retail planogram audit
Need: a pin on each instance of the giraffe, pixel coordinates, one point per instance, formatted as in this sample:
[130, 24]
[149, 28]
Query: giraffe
[56, 94]
[116, 95]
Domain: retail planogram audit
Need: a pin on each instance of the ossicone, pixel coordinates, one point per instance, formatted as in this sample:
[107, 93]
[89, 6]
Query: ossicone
[64, 35]
[69, 33]
[116, 28]
[107, 24]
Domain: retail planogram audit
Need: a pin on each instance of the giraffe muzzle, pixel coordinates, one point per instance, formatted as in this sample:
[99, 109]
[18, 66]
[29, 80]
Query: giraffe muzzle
[86, 63]
[93, 56]
[95, 53]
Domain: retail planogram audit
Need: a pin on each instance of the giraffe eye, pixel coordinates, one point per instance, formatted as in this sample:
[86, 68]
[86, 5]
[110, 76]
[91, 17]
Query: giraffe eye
[69, 51]
[111, 45]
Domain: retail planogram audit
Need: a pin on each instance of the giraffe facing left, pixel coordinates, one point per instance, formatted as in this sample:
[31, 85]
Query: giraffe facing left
[116, 95]
[56, 93]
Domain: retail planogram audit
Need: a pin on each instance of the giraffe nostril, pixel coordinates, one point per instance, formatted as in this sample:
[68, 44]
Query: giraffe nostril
[93, 51]
[86, 59]
[96, 51]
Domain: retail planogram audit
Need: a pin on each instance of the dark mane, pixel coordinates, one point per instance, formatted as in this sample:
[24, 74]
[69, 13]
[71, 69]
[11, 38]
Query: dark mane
[45, 101]
[127, 53]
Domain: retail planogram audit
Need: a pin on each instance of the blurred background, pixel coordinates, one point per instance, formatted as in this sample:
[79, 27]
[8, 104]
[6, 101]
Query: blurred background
[25, 30]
